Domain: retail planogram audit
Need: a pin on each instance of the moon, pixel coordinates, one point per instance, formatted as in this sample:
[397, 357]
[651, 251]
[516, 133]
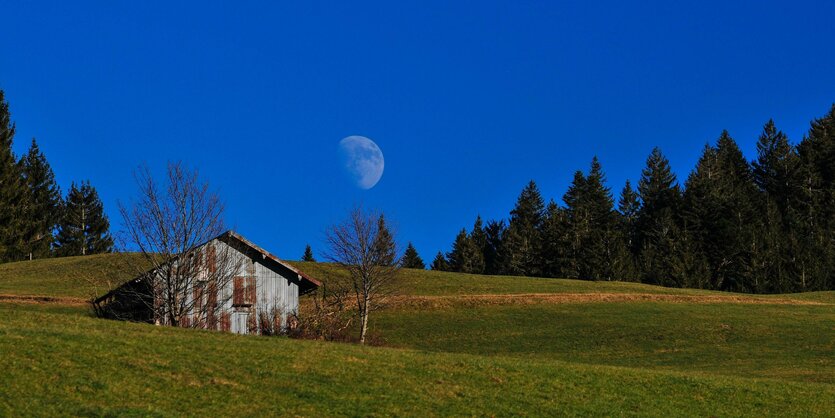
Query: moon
[363, 160]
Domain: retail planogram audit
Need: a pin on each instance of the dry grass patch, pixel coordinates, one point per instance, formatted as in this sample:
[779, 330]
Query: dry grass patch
[447, 301]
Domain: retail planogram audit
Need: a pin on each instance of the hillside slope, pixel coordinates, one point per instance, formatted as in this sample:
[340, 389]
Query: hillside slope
[82, 277]
[458, 344]
[60, 362]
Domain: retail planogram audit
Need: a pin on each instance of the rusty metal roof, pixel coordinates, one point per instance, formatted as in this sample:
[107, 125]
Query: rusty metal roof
[237, 237]
[267, 254]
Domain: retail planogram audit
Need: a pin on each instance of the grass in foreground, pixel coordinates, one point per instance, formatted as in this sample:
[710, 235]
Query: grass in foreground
[503, 354]
[64, 363]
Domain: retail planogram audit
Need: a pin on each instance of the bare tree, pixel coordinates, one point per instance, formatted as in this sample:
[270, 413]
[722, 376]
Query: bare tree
[363, 245]
[184, 272]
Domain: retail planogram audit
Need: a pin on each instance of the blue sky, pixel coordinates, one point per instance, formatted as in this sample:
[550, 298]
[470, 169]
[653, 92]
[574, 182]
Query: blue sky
[467, 100]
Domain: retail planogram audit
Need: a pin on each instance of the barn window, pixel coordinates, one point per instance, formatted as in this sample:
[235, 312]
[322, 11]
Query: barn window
[243, 291]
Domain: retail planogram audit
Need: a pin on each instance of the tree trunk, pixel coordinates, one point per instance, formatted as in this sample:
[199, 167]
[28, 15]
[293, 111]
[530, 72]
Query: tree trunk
[364, 324]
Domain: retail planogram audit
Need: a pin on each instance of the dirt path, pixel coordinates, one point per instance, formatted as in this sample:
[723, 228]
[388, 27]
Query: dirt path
[42, 299]
[538, 298]
[444, 301]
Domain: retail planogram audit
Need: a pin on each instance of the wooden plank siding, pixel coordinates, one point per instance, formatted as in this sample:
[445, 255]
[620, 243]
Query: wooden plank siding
[261, 289]
[263, 293]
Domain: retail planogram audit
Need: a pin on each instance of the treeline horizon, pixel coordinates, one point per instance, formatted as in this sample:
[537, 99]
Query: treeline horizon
[761, 226]
[36, 221]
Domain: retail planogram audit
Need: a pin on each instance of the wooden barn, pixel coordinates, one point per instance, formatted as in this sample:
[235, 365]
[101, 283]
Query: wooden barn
[227, 284]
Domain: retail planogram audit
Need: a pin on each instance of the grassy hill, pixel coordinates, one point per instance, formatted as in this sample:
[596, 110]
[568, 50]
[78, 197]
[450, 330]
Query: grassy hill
[457, 344]
[68, 277]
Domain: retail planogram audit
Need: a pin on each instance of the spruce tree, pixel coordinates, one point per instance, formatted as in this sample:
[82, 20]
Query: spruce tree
[308, 254]
[600, 250]
[523, 242]
[43, 204]
[12, 191]
[411, 259]
[385, 243]
[777, 173]
[84, 228]
[629, 205]
[577, 225]
[478, 235]
[597, 247]
[440, 263]
[658, 228]
[465, 256]
[739, 233]
[556, 261]
[701, 210]
[721, 202]
[817, 214]
[494, 253]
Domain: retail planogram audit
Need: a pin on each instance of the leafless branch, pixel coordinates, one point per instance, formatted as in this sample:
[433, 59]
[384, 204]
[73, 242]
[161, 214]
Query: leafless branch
[181, 282]
[363, 245]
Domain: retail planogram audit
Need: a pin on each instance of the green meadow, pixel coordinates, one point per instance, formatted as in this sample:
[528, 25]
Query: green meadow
[452, 344]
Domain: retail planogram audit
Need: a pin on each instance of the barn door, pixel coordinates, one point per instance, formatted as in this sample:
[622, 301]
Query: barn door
[239, 322]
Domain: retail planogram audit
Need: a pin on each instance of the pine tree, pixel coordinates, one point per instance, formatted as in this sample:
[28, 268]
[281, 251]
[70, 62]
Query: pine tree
[777, 173]
[385, 243]
[411, 259]
[601, 249]
[523, 242]
[84, 228]
[629, 205]
[577, 225]
[494, 253]
[43, 205]
[701, 211]
[440, 263]
[817, 214]
[721, 203]
[478, 235]
[658, 228]
[465, 256]
[736, 236]
[12, 191]
[597, 247]
[555, 243]
[308, 254]
[624, 264]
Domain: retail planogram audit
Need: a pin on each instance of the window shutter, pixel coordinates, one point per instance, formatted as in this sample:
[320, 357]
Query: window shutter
[251, 290]
[211, 259]
[238, 291]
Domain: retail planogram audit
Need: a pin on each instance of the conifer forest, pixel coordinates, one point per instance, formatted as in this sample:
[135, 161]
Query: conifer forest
[760, 226]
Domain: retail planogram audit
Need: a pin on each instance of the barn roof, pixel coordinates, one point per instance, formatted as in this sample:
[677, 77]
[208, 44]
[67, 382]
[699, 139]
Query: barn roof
[234, 236]
[265, 254]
